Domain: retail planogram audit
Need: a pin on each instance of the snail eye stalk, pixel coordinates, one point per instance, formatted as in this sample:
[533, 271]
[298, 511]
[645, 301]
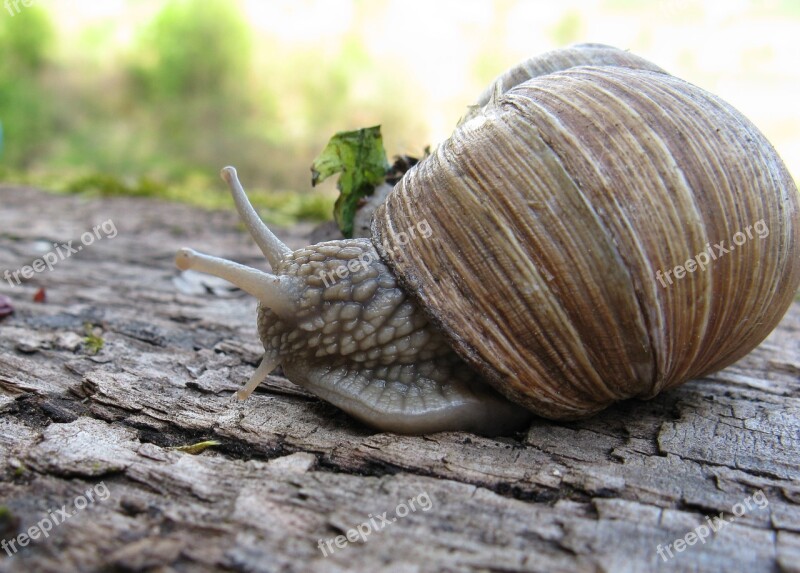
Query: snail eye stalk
[272, 247]
[274, 292]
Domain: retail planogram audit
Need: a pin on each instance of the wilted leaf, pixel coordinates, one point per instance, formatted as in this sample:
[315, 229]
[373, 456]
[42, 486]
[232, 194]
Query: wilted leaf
[360, 158]
[197, 448]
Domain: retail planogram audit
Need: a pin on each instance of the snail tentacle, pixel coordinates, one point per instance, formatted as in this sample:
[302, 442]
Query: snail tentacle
[272, 247]
[276, 292]
[268, 364]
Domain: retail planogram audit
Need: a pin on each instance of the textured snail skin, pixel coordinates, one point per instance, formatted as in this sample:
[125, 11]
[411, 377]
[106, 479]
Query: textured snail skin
[362, 344]
[333, 317]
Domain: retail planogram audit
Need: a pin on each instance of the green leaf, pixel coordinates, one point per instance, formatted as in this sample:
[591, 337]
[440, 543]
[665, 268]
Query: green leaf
[360, 158]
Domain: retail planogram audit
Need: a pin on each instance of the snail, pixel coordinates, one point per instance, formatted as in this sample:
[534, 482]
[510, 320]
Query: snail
[594, 230]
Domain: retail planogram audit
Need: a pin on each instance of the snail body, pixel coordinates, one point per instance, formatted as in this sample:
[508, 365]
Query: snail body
[554, 213]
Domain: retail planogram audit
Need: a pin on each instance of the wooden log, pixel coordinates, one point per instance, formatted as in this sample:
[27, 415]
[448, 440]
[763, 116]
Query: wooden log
[97, 435]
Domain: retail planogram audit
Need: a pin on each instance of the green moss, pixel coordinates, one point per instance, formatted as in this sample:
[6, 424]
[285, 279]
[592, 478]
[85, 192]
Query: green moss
[276, 207]
[92, 341]
[109, 185]
[6, 518]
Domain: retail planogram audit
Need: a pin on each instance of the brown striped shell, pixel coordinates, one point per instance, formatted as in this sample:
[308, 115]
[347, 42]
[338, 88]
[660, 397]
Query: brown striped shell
[556, 209]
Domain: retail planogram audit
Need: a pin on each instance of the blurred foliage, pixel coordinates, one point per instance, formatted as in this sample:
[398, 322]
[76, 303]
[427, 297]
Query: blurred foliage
[569, 29]
[187, 76]
[191, 49]
[25, 42]
[107, 185]
[159, 116]
[153, 106]
[276, 207]
[160, 119]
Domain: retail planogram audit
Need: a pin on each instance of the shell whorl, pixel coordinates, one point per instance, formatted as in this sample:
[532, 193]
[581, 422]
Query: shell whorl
[553, 208]
[556, 61]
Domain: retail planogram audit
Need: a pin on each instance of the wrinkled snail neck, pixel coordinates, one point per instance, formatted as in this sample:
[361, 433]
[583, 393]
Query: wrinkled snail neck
[333, 316]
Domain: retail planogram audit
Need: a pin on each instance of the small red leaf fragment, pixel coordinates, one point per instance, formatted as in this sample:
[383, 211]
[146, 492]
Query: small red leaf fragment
[40, 295]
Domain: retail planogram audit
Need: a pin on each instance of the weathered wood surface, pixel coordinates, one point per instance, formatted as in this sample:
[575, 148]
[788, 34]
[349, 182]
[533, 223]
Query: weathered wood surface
[290, 470]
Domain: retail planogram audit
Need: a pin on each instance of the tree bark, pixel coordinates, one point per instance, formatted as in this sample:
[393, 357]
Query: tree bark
[292, 476]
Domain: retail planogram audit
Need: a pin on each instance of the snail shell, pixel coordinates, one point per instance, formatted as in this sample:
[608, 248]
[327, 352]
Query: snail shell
[557, 208]
[556, 61]
[556, 219]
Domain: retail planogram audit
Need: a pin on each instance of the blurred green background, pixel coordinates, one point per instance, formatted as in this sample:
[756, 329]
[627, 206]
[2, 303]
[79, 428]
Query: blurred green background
[153, 97]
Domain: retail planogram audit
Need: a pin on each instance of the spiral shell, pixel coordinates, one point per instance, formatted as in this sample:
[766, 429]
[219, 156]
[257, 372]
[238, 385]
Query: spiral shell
[555, 206]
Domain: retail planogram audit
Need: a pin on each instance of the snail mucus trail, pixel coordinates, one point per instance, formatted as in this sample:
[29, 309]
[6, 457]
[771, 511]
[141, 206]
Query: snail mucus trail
[361, 343]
